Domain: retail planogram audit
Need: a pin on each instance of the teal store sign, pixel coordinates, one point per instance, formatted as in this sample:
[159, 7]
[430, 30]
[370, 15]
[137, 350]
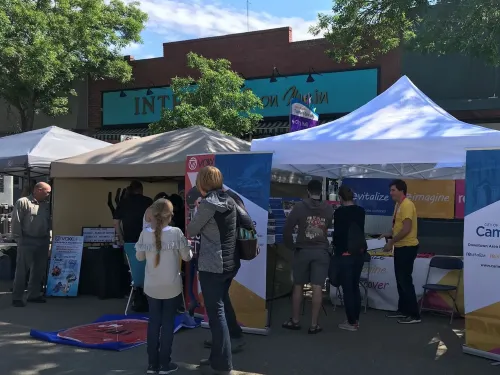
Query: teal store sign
[336, 92]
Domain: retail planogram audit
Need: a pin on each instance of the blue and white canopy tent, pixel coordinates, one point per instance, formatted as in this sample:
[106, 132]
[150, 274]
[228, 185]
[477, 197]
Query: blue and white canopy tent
[399, 134]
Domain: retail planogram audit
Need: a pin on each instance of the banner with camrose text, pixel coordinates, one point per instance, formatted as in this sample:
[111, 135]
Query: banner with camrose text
[482, 253]
[247, 178]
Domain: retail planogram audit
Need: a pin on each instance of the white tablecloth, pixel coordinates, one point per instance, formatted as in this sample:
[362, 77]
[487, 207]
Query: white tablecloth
[382, 289]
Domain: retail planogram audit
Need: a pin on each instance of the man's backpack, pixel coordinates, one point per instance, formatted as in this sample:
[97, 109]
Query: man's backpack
[356, 241]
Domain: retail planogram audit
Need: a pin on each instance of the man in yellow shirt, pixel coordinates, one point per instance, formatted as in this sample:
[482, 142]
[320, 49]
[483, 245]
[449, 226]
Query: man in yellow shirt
[405, 243]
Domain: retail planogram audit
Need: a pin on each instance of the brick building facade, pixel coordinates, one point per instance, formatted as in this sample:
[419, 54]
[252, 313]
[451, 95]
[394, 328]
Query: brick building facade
[253, 55]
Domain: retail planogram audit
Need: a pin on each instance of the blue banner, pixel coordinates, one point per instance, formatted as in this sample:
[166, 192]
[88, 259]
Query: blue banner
[482, 253]
[64, 270]
[372, 194]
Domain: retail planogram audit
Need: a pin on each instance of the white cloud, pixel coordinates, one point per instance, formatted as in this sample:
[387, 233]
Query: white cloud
[131, 49]
[178, 20]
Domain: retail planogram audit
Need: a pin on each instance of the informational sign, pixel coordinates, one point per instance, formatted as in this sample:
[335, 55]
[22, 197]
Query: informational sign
[247, 179]
[482, 253]
[302, 116]
[372, 194]
[459, 199]
[64, 270]
[98, 235]
[433, 199]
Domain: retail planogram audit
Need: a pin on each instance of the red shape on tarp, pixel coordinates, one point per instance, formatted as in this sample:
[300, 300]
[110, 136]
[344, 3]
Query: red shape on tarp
[126, 331]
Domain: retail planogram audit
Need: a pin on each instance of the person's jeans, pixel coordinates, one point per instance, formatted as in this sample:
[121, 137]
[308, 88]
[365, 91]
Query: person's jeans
[350, 270]
[162, 314]
[221, 315]
[404, 257]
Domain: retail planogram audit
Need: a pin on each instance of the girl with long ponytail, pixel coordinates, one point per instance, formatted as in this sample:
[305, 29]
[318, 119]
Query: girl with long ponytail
[162, 246]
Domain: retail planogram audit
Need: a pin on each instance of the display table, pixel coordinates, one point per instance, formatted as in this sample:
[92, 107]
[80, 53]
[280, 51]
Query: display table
[382, 288]
[102, 272]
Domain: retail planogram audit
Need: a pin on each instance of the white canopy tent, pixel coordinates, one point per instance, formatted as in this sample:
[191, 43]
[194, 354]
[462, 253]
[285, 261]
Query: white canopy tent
[35, 150]
[400, 133]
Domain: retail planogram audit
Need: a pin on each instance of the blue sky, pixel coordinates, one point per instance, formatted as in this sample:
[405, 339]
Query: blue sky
[171, 20]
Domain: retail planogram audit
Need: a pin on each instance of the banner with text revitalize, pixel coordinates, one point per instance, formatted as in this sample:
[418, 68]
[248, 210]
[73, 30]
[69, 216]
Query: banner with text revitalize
[432, 198]
[482, 253]
[247, 179]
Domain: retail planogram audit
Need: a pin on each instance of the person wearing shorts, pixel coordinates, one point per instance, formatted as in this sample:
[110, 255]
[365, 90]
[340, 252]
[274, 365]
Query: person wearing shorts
[311, 252]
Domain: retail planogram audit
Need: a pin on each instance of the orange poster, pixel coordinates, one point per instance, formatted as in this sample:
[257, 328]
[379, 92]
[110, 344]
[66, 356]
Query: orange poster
[433, 198]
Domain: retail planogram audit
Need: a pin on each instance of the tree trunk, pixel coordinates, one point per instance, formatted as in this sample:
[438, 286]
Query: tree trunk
[27, 118]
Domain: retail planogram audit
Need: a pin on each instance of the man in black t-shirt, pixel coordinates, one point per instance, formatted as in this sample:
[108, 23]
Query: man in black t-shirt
[128, 217]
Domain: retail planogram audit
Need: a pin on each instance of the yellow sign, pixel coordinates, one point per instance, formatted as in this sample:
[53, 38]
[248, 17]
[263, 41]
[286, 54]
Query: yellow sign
[433, 199]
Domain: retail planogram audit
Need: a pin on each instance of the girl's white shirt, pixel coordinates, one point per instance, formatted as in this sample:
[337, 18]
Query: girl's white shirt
[163, 281]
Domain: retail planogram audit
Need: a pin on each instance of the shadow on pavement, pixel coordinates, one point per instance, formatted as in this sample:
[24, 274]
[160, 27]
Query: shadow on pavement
[380, 346]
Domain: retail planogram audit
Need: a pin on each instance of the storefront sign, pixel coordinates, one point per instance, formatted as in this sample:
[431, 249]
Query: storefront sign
[336, 92]
[433, 199]
[482, 253]
[372, 194]
[459, 199]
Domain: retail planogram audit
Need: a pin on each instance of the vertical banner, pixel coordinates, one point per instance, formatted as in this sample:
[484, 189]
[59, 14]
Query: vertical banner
[247, 178]
[482, 253]
[64, 270]
[301, 116]
[459, 199]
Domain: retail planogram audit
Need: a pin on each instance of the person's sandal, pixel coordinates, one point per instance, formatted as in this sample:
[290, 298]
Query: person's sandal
[315, 329]
[291, 325]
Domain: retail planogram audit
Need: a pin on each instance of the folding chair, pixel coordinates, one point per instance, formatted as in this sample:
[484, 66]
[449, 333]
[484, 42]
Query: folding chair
[137, 271]
[363, 283]
[443, 263]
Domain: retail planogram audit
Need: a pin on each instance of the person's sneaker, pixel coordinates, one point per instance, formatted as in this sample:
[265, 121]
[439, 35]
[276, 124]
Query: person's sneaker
[37, 300]
[18, 303]
[409, 320]
[172, 367]
[236, 345]
[396, 315]
[348, 327]
[152, 370]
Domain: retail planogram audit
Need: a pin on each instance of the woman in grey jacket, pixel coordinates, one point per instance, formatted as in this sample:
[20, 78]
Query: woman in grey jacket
[218, 262]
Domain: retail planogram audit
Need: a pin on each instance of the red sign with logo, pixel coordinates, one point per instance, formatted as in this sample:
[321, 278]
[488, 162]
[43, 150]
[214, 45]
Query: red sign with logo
[459, 199]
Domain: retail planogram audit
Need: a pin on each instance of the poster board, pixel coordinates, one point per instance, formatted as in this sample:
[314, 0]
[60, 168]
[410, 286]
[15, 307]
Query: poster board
[482, 253]
[98, 236]
[64, 269]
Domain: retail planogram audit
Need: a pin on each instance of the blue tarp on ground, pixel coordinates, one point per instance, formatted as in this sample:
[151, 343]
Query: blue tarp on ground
[110, 332]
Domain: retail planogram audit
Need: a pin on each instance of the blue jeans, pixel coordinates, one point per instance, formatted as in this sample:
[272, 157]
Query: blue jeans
[162, 314]
[221, 315]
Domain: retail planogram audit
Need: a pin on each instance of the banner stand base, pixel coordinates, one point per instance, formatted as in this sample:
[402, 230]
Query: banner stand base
[253, 331]
[480, 353]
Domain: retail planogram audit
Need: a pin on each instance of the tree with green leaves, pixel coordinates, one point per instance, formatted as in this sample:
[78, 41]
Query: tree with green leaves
[47, 45]
[359, 30]
[215, 100]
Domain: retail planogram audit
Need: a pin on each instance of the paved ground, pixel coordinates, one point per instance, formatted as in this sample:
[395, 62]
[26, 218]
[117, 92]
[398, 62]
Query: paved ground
[380, 347]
